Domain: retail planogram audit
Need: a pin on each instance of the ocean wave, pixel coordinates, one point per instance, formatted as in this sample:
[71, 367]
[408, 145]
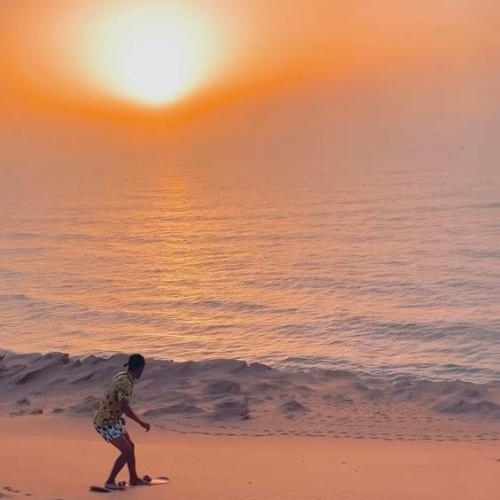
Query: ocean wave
[220, 389]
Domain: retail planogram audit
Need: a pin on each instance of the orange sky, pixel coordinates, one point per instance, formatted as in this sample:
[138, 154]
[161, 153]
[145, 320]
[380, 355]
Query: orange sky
[289, 70]
[270, 42]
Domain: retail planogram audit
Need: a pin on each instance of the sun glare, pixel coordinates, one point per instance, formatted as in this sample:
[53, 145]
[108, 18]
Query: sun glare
[153, 53]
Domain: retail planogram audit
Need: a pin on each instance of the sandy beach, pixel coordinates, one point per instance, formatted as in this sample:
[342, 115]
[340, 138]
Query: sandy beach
[227, 429]
[55, 457]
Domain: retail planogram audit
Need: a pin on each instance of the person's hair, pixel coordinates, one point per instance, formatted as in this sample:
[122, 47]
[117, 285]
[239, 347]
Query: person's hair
[135, 361]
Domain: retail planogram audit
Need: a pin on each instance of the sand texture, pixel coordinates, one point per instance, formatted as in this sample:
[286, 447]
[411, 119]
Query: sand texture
[227, 429]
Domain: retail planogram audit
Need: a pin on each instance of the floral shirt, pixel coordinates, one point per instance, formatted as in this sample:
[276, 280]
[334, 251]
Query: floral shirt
[110, 410]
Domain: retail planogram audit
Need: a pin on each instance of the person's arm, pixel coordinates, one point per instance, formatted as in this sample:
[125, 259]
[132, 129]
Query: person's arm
[129, 412]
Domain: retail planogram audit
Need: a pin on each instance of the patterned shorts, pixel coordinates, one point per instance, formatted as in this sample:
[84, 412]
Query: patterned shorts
[110, 432]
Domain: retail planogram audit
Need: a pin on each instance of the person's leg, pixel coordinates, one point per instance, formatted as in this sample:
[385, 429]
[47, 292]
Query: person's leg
[126, 435]
[126, 457]
[136, 480]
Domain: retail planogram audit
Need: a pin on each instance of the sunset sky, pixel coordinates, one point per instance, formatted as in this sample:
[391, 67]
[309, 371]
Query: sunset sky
[274, 79]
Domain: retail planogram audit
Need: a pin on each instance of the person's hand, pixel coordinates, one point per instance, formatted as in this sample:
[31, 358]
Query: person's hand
[122, 421]
[146, 426]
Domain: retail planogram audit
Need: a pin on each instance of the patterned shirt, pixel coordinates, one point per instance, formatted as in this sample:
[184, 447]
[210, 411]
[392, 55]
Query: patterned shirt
[110, 410]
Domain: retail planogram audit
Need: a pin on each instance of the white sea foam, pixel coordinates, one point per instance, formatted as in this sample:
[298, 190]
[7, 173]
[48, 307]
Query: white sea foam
[252, 397]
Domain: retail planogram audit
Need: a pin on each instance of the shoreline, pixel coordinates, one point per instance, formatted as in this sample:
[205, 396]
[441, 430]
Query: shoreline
[447, 373]
[4, 353]
[233, 398]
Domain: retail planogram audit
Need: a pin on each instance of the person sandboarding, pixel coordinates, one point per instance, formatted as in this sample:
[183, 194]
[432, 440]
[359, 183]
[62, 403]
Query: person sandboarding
[109, 423]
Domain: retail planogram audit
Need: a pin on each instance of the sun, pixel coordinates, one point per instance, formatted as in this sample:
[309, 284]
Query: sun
[154, 53]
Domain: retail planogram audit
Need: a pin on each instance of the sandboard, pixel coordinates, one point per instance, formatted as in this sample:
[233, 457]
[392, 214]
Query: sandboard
[158, 480]
[150, 482]
[101, 489]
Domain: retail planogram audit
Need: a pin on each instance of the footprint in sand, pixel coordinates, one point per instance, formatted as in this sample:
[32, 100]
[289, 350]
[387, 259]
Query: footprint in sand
[10, 489]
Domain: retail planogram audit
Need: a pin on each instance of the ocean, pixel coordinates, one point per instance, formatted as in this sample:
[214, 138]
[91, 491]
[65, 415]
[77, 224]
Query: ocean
[381, 268]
